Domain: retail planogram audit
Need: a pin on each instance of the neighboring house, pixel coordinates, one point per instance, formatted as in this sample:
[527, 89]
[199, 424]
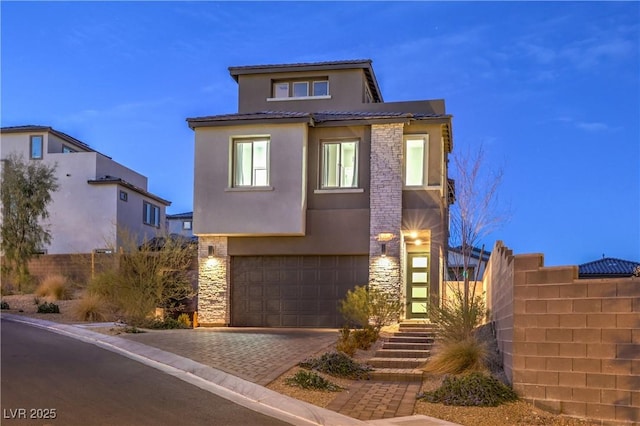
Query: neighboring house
[181, 224]
[314, 186]
[609, 267]
[456, 271]
[95, 196]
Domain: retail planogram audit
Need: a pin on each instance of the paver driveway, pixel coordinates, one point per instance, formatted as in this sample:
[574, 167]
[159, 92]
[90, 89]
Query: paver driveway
[259, 355]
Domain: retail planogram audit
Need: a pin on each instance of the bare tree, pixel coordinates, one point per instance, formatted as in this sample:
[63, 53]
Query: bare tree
[475, 214]
[26, 193]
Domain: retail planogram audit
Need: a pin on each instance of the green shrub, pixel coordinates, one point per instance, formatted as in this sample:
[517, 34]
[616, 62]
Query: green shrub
[475, 389]
[56, 287]
[457, 318]
[162, 324]
[4, 305]
[364, 306]
[149, 276]
[346, 343]
[311, 380]
[337, 364]
[48, 308]
[351, 340]
[184, 320]
[466, 356]
[91, 308]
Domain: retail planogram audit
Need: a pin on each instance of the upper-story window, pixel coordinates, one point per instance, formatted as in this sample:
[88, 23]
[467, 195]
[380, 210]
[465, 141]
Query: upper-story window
[124, 196]
[36, 147]
[251, 162]
[415, 152]
[186, 225]
[150, 214]
[313, 87]
[67, 150]
[339, 164]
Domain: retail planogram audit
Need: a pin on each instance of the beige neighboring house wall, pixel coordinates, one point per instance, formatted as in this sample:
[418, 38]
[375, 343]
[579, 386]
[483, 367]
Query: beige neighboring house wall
[87, 209]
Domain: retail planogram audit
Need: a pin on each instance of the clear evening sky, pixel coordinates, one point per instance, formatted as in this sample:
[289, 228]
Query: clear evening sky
[552, 90]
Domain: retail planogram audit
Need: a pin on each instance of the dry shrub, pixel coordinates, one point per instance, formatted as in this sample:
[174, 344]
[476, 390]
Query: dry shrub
[91, 308]
[460, 357]
[55, 287]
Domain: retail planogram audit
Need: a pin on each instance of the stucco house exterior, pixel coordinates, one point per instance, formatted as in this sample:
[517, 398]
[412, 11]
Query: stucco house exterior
[180, 224]
[316, 185]
[96, 195]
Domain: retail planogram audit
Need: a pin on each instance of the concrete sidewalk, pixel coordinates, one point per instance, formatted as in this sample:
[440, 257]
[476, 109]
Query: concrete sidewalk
[260, 349]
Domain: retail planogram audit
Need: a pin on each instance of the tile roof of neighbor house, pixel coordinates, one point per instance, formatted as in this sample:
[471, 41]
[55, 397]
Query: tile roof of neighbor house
[112, 180]
[365, 64]
[186, 215]
[311, 117]
[608, 267]
[61, 135]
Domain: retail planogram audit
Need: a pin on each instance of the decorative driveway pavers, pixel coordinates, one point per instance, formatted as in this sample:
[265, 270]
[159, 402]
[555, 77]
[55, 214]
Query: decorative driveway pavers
[366, 400]
[257, 355]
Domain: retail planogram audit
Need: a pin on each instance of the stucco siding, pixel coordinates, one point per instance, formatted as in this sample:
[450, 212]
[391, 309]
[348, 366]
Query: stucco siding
[277, 210]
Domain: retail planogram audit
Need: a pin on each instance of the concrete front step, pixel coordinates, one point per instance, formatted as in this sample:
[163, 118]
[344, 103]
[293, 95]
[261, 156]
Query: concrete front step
[400, 338]
[424, 334]
[396, 375]
[405, 363]
[407, 345]
[402, 353]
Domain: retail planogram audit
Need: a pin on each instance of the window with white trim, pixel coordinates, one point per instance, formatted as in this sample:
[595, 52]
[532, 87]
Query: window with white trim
[415, 164]
[150, 214]
[251, 162]
[313, 87]
[339, 164]
[36, 147]
[186, 225]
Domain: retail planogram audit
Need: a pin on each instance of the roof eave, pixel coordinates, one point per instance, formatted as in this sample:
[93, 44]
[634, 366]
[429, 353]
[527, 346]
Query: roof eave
[130, 186]
[204, 122]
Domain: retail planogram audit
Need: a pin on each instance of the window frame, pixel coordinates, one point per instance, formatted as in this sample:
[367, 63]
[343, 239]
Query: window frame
[32, 139]
[425, 160]
[313, 85]
[185, 227]
[124, 196]
[300, 83]
[235, 141]
[322, 162]
[291, 83]
[153, 218]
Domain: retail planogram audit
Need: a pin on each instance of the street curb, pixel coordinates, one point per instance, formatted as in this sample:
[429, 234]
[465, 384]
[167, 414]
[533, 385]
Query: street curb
[220, 383]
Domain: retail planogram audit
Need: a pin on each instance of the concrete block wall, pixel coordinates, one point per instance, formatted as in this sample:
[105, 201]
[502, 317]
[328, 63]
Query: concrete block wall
[78, 268]
[575, 344]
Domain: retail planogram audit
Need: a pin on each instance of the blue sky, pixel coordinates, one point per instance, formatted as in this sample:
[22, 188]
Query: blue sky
[551, 89]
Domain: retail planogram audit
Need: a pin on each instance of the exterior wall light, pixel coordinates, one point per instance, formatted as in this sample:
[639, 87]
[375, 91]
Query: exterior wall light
[210, 251]
[383, 250]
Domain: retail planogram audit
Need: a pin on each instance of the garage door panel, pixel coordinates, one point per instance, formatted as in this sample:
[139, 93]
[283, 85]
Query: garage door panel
[272, 306]
[292, 291]
[309, 292]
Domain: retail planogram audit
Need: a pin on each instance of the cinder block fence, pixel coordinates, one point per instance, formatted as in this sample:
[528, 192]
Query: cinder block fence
[569, 346]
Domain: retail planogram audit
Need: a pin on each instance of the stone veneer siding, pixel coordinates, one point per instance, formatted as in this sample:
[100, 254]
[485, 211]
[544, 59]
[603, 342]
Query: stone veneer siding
[386, 206]
[213, 282]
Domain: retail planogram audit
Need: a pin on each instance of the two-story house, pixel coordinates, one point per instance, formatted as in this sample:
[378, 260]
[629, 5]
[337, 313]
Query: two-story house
[96, 196]
[314, 186]
[180, 224]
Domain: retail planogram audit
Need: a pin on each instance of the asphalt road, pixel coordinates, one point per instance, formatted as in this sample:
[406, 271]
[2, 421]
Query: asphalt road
[50, 379]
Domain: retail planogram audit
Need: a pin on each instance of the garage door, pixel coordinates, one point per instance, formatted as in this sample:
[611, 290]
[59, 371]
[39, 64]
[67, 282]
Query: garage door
[293, 291]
